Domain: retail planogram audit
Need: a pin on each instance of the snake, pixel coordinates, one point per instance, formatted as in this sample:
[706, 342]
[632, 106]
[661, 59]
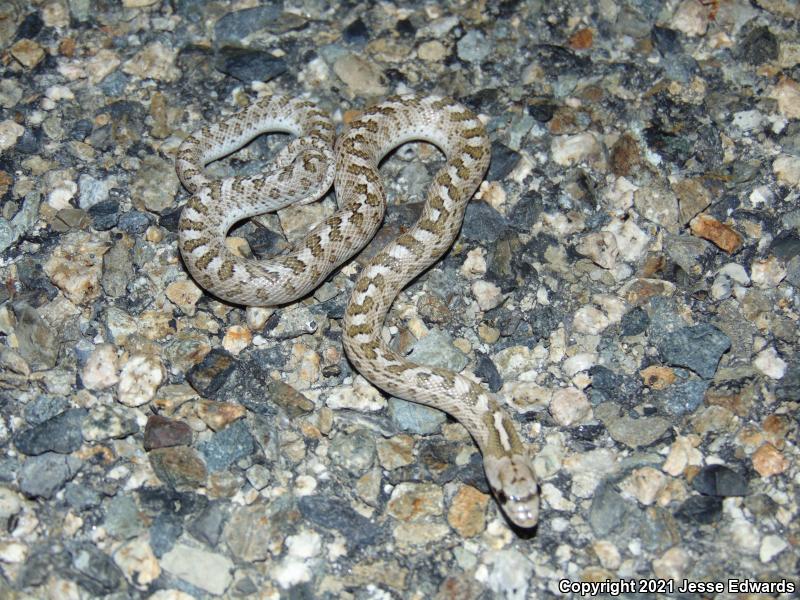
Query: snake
[303, 172]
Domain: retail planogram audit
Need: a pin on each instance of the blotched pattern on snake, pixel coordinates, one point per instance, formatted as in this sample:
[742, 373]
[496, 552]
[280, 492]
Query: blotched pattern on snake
[303, 172]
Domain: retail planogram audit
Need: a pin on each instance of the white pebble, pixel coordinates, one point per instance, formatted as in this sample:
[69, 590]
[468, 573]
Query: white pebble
[582, 361]
[589, 319]
[139, 380]
[770, 364]
[570, 406]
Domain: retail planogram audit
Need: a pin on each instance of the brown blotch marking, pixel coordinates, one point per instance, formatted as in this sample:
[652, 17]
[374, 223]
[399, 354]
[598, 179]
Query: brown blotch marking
[473, 132]
[364, 328]
[461, 169]
[205, 260]
[297, 266]
[357, 219]
[225, 270]
[461, 116]
[189, 225]
[396, 369]
[373, 200]
[192, 245]
[314, 244]
[474, 152]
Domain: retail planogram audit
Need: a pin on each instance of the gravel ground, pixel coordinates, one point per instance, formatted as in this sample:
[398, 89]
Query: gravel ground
[627, 278]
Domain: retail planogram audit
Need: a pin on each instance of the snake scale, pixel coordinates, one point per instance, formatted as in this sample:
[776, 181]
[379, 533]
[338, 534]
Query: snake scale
[303, 172]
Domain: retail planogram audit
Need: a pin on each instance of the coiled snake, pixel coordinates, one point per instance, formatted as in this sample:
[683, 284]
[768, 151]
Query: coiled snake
[303, 172]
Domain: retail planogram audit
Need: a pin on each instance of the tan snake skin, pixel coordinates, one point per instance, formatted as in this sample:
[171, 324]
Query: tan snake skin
[303, 173]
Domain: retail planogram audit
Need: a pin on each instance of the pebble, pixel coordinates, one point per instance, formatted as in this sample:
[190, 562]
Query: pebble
[42, 476]
[10, 132]
[589, 319]
[771, 546]
[637, 433]
[178, 466]
[473, 47]
[37, 342]
[769, 461]
[601, 247]
[27, 52]
[487, 294]
[109, 422]
[250, 65]
[161, 432]
[140, 378]
[511, 573]
[227, 446]
[61, 434]
[415, 502]
[76, 266]
[698, 348]
[787, 93]
[467, 512]
[707, 227]
[569, 406]
[208, 571]
[770, 364]
[643, 484]
[719, 480]
[100, 371]
[568, 150]
[672, 565]
[155, 61]
[415, 418]
[184, 294]
[786, 168]
[355, 452]
[361, 77]
[768, 272]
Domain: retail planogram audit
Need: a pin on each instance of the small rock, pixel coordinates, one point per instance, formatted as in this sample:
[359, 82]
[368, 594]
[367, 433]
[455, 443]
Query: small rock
[511, 573]
[467, 513]
[698, 348]
[76, 266]
[42, 476]
[258, 476]
[249, 65]
[415, 418]
[473, 47]
[161, 432]
[335, 514]
[27, 52]
[415, 501]
[178, 466]
[786, 168]
[361, 76]
[787, 93]
[355, 452]
[657, 378]
[768, 272]
[638, 433]
[691, 18]
[759, 46]
[205, 570]
[140, 378]
[227, 446]
[770, 364]
[37, 342]
[569, 406]
[10, 132]
[395, 452]
[184, 294]
[61, 434]
[672, 565]
[109, 422]
[137, 562]
[569, 150]
[432, 51]
[771, 546]
[702, 510]
[684, 397]
[207, 526]
[591, 320]
[487, 294]
[154, 61]
[707, 227]
[100, 370]
[719, 480]
[600, 247]
[208, 376]
[768, 461]
[644, 484]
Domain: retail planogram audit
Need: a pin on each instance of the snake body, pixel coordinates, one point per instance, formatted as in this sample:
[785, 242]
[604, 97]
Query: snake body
[303, 173]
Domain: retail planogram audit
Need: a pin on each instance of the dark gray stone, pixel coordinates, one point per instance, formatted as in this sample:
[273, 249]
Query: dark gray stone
[338, 515]
[703, 510]
[483, 223]
[80, 496]
[44, 408]
[38, 343]
[227, 446]
[122, 517]
[237, 25]
[356, 32]
[249, 65]
[214, 370]
[133, 221]
[634, 322]
[759, 46]
[698, 348]
[42, 476]
[504, 159]
[166, 528]
[207, 526]
[104, 214]
[94, 570]
[607, 510]
[354, 452]
[61, 434]
[486, 370]
[683, 398]
[721, 481]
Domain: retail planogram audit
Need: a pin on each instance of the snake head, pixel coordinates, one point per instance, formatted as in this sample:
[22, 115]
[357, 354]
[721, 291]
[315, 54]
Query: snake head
[514, 485]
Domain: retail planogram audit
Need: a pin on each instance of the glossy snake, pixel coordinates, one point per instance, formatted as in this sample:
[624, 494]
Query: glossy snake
[303, 172]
